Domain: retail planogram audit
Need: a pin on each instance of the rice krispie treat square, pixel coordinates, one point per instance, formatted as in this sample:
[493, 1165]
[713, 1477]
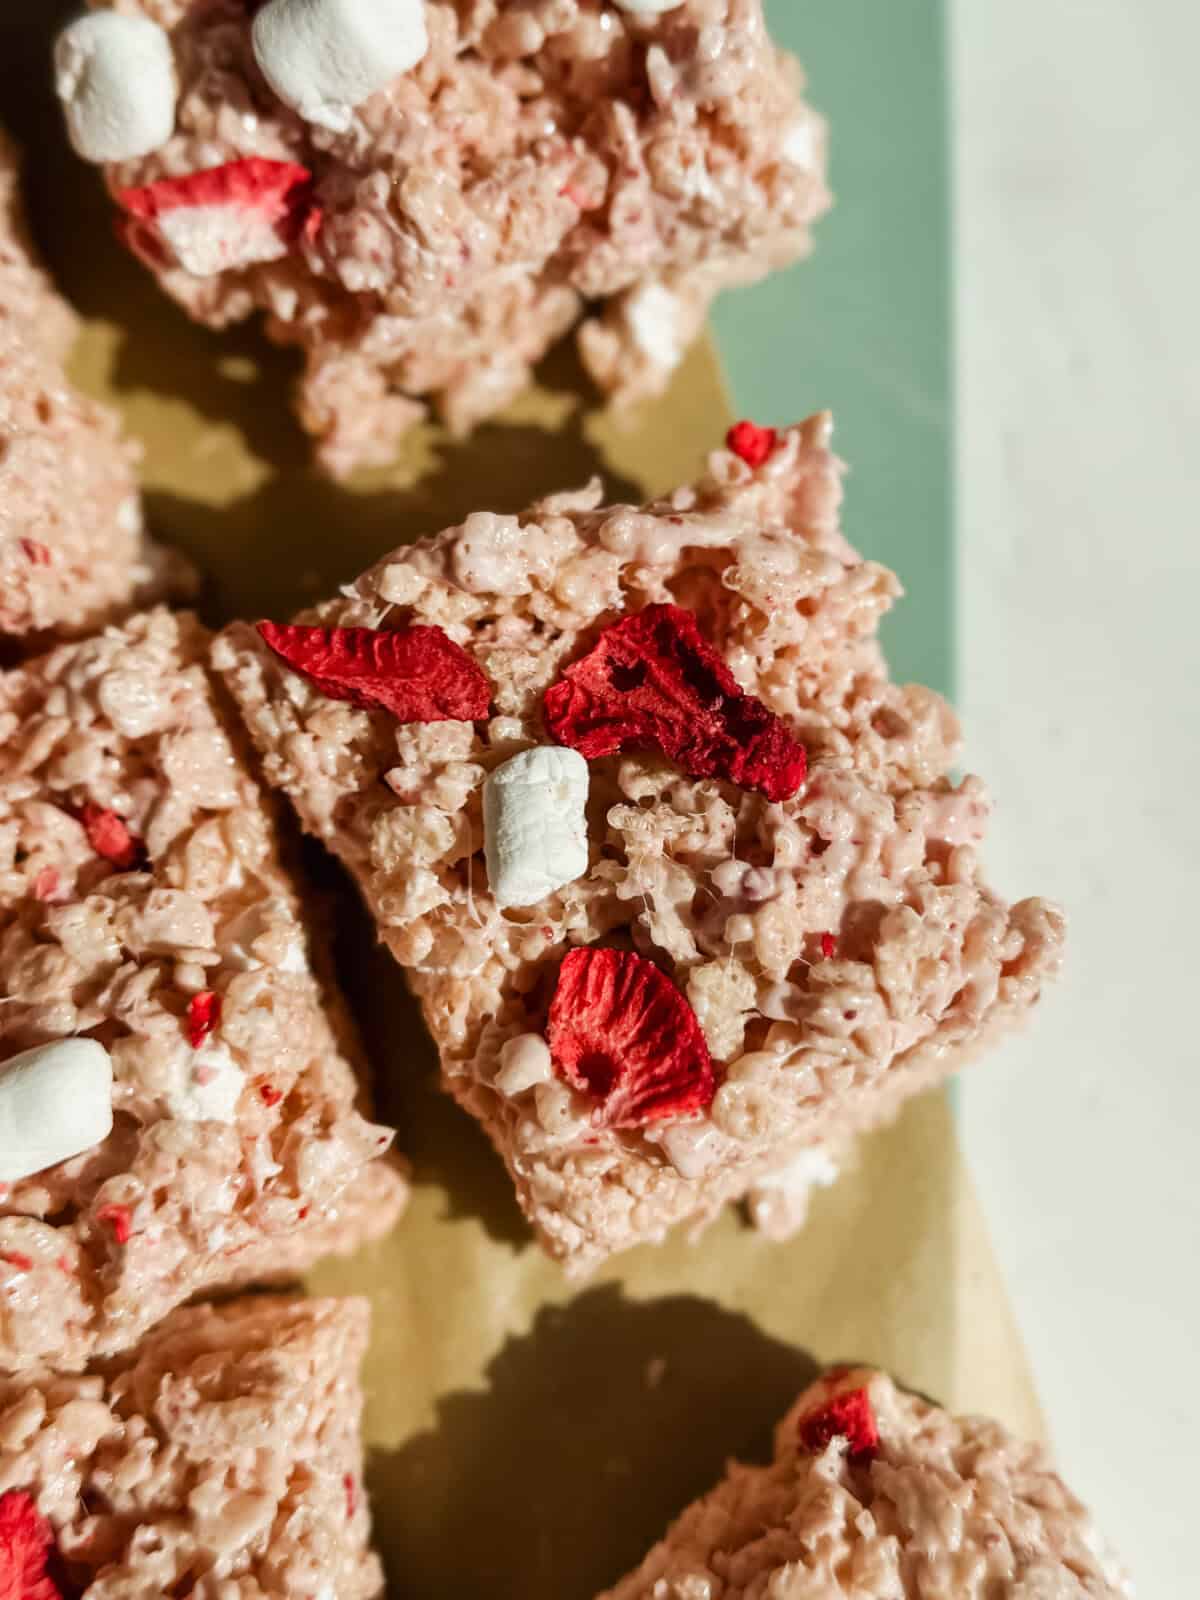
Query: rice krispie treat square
[681, 878]
[221, 1457]
[177, 1111]
[875, 1492]
[72, 548]
[425, 194]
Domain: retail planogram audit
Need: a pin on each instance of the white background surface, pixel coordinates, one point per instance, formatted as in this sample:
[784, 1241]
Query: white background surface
[1078, 195]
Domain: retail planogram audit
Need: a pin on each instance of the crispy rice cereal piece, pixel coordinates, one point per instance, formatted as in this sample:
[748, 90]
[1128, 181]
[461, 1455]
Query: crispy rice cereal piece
[841, 949]
[546, 160]
[232, 1160]
[945, 1508]
[221, 1457]
[72, 549]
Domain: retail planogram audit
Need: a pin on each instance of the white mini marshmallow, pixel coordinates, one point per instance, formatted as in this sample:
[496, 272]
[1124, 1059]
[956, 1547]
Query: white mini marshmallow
[115, 76]
[324, 57]
[648, 8]
[535, 824]
[55, 1103]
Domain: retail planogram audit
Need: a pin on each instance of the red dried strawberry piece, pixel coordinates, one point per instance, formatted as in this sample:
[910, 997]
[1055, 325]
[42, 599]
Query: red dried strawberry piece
[271, 1096]
[653, 682]
[752, 443]
[845, 1413]
[26, 1543]
[17, 1259]
[621, 1032]
[36, 552]
[119, 1219]
[221, 218]
[828, 946]
[418, 674]
[109, 836]
[203, 1015]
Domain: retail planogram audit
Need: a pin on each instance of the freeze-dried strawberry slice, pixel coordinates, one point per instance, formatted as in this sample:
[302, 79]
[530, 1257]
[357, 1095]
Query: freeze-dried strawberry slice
[221, 218]
[119, 1219]
[203, 1015]
[26, 1542]
[418, 674]
[109, 836]
[844, 1412]
[621, 1032]
[752, 443]
[653, 682]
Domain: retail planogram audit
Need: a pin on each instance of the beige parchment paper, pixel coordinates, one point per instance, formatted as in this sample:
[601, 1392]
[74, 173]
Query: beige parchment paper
[527, 1438]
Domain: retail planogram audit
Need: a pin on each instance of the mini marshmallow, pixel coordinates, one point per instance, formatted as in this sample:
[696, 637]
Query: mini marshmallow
[55, 1103]
[535, 824]
[648, 8]
[115, 76]
[324, 57]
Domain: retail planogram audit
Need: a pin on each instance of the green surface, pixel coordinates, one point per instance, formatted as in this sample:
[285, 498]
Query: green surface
[863, 326]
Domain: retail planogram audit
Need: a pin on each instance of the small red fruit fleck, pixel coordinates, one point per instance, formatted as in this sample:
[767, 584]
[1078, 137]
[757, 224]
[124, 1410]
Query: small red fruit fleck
[622, 1033]
[65, 1267]
[653, 682]
[119, 1219]
[351, 1494]
[26, 1542]
[203, 1015]
[845, 1413]
[418, 674]
[270, 1094]
[752, 443]
[109, 836]
[828, 946]
[36, 552]
[46, 884]
[17, 1259]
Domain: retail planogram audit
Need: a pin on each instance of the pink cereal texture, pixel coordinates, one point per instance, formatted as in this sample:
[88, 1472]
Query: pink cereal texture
[211, 1460]
[213, 1185]
[951, 1508]
[731, 894]
[72, 550]
[548, 164]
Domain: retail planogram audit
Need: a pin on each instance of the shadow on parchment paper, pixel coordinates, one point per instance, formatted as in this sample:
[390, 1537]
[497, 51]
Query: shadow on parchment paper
[447, 1149]
[559, 1476]
[298, 535]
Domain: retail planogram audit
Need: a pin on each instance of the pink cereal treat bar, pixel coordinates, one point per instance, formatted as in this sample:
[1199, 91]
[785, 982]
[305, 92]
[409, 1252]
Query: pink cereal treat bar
[177, 1110]
[221, 1457]
[72, 549]
[694, 900]
[875, 1492]
[424, 195]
